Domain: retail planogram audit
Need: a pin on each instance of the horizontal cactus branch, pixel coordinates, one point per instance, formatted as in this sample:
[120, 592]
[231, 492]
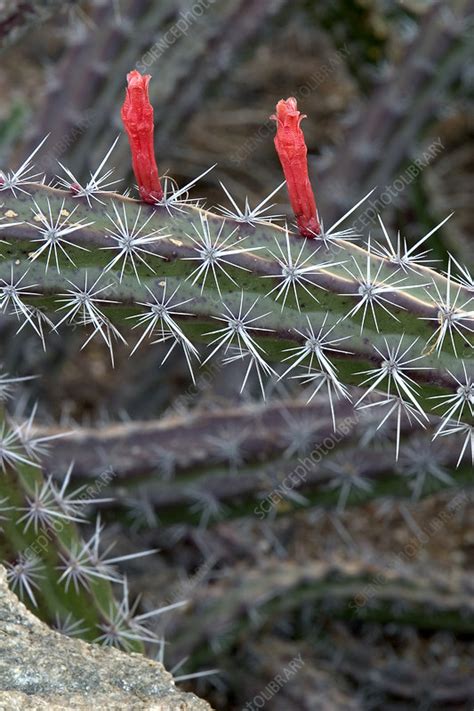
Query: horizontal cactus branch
[170, 250]
[256, 460]
[233, 436]
[281, 487]
[254, 291]
[355, 590]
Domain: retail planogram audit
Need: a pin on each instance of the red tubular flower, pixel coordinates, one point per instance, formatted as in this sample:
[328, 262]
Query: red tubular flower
[137, 117]
[292, 151]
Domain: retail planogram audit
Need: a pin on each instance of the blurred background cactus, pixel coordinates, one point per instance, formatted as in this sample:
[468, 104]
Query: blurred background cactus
[314, 529]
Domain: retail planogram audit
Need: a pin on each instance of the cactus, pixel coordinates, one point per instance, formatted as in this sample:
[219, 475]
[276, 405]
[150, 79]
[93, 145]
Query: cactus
[357, 315]
[419, 89]
[260, 460]
[17, 17]
[189, 64]
[303, 596]
[336, 589]
[66, 579]
[402, 103]
[370, 330]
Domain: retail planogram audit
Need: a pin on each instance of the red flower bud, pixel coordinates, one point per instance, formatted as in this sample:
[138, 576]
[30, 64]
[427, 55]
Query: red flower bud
[137, 117]
[292, 151]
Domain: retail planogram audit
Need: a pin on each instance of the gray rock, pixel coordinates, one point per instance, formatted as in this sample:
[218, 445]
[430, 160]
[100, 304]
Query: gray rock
[41, 669]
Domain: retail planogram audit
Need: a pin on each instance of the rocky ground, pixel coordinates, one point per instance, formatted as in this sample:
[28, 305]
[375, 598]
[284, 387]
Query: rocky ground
[42, 669]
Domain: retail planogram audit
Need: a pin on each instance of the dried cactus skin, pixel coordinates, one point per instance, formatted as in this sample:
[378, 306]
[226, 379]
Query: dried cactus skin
[414, 314]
